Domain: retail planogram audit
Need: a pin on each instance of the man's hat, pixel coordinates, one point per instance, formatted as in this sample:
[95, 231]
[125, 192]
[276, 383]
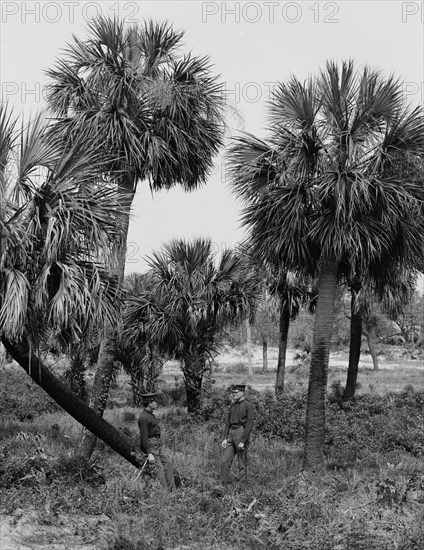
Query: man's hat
[148, 397]
[238, 387]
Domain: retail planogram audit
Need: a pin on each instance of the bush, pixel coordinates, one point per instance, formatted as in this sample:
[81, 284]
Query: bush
[21, 398]
[29, 459]
[372, 424]
[283, 418]
[177, 394]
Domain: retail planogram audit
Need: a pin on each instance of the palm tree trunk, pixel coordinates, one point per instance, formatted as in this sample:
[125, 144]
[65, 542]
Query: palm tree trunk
[320, 354]
[282, 347]
[354, 350]
[249, 348]
[106, 360]
[373, 352]
[77, 375]
[137, 385]
[64, 397]
[265, 354]
[193, 377]
[2, 355]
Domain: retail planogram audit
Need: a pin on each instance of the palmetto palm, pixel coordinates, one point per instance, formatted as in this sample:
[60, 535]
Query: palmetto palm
[285, 291]
[334, 189]
[55, 224]
[393, 288]
[292, 291]
[188, 300]
[140, 356]
[154, 112]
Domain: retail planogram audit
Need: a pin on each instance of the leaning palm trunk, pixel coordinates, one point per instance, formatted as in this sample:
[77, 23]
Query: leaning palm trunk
[354, 351]
[107, 354]
[64, 397]
[282, 347]
[320, 354]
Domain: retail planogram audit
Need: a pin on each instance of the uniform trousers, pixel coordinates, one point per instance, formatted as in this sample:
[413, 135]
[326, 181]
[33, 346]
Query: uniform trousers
[163, 465]
[232, 450]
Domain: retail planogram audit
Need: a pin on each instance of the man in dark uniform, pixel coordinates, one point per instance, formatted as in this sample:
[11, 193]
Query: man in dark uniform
[150, 442]
[238, 425]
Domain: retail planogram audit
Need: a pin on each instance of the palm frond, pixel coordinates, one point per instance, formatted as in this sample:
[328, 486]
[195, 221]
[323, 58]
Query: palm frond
[339, 174]
[55, 235]
[127, 91]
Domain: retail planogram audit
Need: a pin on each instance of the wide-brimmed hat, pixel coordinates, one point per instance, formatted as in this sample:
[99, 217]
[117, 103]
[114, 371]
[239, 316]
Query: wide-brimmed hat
[237, 387]
[147, 398]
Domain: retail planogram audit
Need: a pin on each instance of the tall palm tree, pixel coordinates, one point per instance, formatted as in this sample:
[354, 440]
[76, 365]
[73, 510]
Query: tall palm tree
[287, 290]
[333, 186]
[154, 111]
[55, 224]
[392, 287]
[291, 291]
[189, 300]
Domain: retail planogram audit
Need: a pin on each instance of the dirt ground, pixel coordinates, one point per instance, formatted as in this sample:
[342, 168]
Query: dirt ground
[229, 366]
[17, 528]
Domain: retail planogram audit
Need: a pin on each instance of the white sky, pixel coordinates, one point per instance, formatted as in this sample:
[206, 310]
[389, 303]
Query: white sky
[251, 44]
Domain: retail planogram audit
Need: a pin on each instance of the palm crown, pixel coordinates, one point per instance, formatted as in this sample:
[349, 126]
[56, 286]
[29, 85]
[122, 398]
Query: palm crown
[155, 112]
[339, 175]
[55, 227]
[188, 299]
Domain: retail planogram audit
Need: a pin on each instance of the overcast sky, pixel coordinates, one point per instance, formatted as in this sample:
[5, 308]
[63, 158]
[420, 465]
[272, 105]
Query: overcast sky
[252, 45]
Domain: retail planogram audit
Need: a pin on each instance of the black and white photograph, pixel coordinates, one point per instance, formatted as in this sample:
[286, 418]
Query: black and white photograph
[212, 275]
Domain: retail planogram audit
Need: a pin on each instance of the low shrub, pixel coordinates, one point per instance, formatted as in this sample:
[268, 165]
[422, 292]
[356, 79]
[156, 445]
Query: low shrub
[21, 398]
[283, 418]
[371, 424]
[175, 395]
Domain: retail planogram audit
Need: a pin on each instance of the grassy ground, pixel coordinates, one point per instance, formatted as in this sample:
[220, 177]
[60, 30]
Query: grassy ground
[373, 501]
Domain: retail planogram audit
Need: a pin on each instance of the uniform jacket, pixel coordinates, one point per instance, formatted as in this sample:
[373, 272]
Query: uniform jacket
[241, 413]
[149, 427]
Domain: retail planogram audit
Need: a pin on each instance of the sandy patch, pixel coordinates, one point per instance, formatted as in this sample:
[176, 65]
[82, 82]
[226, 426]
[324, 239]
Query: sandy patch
[24, 531]
[339, 360]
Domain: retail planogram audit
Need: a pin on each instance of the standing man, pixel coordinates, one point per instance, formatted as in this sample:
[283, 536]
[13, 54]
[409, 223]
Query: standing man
[238, 425]
[150, 442]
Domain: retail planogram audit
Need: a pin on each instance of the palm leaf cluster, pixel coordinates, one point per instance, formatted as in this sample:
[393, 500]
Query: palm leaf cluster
[56, 229]
[131, 92]
[188, 298]
[340, 175]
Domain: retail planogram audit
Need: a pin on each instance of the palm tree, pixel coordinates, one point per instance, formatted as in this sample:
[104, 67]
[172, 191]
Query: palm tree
[291, 291]
[140, 358]
[55, 224]
[287, 292]
[189, 299]
[334, 186]
[392, 287]
[154, 112]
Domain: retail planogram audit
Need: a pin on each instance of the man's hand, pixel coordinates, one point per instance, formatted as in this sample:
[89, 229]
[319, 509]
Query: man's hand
[224, 443]
[151, 458]
[240, 446]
